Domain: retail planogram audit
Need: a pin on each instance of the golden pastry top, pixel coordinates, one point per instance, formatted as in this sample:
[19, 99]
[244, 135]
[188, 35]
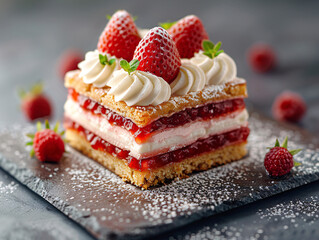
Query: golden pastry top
[143, 115]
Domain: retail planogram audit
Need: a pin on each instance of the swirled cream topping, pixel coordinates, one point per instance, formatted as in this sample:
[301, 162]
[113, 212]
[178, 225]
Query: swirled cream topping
[96, 73]
[217, 70]
[139, 88]
[190, 78]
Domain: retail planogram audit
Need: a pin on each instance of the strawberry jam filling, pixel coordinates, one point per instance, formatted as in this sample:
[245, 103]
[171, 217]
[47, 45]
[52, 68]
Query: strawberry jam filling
[141, 134]
[201, 146]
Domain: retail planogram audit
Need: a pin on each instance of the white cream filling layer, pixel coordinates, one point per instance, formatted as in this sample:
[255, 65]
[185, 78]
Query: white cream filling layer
[164, 141]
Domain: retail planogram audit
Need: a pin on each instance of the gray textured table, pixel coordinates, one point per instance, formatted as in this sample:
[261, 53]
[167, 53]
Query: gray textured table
[34, 33]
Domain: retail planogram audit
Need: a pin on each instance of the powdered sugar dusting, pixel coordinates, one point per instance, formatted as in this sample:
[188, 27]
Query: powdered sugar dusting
[101, 202]
[7, 188]
[294, 211]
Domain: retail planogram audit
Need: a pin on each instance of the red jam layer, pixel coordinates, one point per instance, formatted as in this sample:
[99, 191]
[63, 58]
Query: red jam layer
[209, 111]
[201, 146]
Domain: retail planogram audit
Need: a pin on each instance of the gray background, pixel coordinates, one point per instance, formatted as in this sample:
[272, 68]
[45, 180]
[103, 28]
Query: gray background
[35, 33]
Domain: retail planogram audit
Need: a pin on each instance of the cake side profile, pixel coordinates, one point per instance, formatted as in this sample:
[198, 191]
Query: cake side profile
[157, 117]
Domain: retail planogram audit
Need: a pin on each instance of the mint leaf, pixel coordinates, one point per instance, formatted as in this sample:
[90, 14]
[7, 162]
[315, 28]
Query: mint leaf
[296, 164]
[129, 67]
[217, 46]
[108, 17]
[104, 60]
[219, 52]
[208, 54]
[134, 64]
[111, 61]
[125, 65]
[277, 144]
[167, 25]
[211, 50]
[207, 45]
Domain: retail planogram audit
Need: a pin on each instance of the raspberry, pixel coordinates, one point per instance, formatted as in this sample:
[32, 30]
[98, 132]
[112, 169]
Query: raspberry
[261, 58]
[48, 145]
[279, 161]
[289, 106]
[35, 104]
[69, 61]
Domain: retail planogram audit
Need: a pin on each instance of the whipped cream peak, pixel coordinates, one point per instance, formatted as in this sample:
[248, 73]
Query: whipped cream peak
[139, 88]
[96, 73]
[219, 70]
[190, 78]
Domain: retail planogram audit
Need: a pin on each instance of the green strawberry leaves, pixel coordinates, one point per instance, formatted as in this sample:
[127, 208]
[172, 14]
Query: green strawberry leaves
[167, 25]
[104, 60]
[129, 66]
[212, 50]
[39, 128]
[285, 145]
[35, 90]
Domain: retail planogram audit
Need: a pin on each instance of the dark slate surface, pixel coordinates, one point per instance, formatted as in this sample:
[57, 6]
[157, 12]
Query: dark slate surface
[111, 209]
[34, 33]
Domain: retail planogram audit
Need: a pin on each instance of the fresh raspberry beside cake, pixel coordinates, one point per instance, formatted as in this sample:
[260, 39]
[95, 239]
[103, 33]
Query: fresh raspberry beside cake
[139, 109]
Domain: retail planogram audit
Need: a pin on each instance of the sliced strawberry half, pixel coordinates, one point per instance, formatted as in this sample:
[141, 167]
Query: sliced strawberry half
[120, 36]
[158, 54]
[188, 35]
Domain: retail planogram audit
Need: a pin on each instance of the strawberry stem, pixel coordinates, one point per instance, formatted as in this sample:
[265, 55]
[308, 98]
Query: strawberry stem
[32, 153]
[35, 90]
[167, 25]
[22, 93]
[295, 151]
[285, 145]
[56, 126]
[39, 126]
[30, 135]
[47, 124]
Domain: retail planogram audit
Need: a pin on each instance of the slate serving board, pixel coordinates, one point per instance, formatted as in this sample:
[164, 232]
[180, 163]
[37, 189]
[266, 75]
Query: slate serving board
[111, 209]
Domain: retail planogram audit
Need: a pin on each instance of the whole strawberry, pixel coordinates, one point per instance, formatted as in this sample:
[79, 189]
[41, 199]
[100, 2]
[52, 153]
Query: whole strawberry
[69, 61]
[34, 103]
[157, 54]
[279, 160]
[48, 145]
[120, 36]
[188, 35]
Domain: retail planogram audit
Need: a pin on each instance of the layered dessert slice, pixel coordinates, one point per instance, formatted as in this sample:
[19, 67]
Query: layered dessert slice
[158, 117]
